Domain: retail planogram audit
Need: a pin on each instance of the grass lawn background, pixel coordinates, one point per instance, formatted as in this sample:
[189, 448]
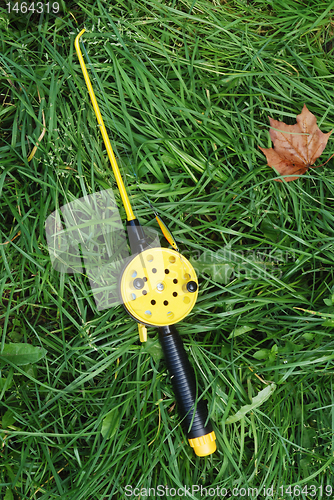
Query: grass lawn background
[186, 88]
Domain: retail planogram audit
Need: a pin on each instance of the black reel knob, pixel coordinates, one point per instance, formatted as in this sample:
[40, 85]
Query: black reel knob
[192, 286]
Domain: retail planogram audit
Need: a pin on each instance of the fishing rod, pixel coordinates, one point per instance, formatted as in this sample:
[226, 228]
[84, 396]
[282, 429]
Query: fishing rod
[159, 287]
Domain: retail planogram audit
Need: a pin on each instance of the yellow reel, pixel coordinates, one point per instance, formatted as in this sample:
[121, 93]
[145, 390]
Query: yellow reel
[159, 287]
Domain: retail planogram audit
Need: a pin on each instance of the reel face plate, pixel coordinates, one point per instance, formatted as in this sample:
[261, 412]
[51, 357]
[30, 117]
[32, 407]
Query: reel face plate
[153, 287]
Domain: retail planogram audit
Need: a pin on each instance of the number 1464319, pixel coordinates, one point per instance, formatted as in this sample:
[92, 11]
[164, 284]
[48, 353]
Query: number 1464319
[312, 490]
[38, 7]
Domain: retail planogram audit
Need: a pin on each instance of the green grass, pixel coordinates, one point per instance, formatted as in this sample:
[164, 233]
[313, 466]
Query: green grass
[187, 87]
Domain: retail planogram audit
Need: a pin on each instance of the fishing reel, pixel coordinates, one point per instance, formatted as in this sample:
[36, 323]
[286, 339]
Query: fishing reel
[158, 287]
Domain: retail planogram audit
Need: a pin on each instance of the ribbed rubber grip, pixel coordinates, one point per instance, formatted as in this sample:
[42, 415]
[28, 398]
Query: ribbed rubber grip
[184, 384]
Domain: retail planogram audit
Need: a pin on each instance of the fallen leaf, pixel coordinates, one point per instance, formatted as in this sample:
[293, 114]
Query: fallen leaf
[296, 147]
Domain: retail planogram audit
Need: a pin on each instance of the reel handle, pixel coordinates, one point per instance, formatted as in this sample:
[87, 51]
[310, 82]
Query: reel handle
[201, 437]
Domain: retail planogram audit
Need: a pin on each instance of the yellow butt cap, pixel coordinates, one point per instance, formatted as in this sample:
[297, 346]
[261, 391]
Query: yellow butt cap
[204, 445]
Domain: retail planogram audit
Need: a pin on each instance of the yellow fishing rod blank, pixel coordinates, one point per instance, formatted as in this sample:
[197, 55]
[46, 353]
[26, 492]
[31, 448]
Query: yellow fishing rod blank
[110, 152]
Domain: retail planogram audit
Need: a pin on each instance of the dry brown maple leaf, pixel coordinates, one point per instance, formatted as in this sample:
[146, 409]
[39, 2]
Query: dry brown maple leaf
[296, 146]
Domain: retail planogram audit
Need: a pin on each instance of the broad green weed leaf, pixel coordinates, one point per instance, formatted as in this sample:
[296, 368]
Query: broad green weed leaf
[328, 322]
[154, 348]
[215, 265]
[320, 66]
[110, 423]
[30, 370]
[6, 383]
[21, 354]
[241, 330]
[8, 495]
[11, 472]
[261, 354]
[308, 437]
[290, 347]
[8, 419]
[308, 336]
[260, 398]
[16, 336]
[271, 229]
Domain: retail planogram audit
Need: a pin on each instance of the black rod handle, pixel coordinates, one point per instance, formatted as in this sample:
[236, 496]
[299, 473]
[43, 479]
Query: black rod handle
[194, 413]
